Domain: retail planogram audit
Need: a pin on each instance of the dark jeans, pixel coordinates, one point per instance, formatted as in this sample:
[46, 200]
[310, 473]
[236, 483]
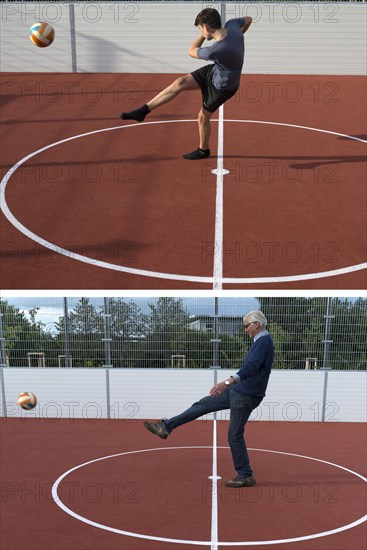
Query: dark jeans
[241, 407]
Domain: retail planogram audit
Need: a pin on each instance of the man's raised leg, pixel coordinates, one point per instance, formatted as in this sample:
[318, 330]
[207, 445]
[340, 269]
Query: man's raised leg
[202, 407]
[183, 83]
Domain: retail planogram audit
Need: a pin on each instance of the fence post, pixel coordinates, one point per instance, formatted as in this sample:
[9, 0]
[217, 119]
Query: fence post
[2, 343]
[2, 384]
[72, 37]
[107, 334]
[2, 366]
[325, 364]
[66, 334]
[327, 341]
[107, 351]
[223, 13]
[108, 393]
[215, 341]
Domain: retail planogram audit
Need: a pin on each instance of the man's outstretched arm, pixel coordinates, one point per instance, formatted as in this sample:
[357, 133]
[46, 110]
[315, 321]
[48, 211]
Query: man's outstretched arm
[248, 21]
[195, 46]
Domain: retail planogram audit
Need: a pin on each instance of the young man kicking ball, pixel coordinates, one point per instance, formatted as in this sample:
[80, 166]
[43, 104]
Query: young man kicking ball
[218, 81]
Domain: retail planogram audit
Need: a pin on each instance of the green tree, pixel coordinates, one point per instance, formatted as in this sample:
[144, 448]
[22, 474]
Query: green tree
[127, 320]
[23, 336]
[85, 330]
[168, 319]
[348, 333]
[196, 347]
[83, 319]
[280, 337]
[303, 322]
[129, 328]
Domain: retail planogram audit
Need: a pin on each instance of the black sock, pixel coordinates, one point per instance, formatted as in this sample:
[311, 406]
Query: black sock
[138, 114]
[197, 154]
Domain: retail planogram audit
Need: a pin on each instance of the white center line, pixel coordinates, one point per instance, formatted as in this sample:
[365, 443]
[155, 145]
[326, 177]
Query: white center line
[214, 477]
[218, 238]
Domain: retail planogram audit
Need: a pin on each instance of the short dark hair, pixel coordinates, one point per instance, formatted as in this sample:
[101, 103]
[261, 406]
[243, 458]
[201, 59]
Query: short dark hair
[209, 17]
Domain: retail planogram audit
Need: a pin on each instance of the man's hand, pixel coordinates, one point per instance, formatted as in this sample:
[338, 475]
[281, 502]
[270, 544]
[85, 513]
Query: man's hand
[218, 389]
[248, 21]
[195, 46]
[221, 387]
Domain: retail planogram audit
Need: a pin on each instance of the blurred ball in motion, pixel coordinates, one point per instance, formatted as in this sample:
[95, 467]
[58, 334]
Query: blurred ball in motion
[42, 34]
[27, 400]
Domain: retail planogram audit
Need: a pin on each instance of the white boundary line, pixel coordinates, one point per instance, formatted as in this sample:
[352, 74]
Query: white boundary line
[156, 274]
[57, 500]
[218, 237]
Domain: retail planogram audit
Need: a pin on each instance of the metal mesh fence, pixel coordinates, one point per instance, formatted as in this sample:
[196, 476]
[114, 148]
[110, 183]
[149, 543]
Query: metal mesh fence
[167, 332]
[177, 1]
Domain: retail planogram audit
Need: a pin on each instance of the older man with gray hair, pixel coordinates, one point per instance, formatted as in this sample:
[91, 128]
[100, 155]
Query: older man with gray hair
[241, 393]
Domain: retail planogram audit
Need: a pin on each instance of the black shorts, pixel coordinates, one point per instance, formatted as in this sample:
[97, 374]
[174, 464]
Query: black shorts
[212, 97]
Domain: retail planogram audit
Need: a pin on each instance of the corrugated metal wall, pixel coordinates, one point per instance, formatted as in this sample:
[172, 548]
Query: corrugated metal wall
[61, 393]
[18, 54]
[81, 393]
[138, 37]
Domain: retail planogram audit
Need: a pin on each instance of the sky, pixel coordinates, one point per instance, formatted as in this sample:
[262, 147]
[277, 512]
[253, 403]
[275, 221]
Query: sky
[51, 308]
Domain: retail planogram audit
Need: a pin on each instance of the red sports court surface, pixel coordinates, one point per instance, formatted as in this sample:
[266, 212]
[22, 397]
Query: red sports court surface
[95, 202]
[309, 481]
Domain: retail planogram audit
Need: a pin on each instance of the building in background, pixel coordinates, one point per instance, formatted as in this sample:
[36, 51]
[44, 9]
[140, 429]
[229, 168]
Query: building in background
[226, 324]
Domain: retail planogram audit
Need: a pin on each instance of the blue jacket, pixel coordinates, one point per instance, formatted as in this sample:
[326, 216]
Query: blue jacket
[255, 371]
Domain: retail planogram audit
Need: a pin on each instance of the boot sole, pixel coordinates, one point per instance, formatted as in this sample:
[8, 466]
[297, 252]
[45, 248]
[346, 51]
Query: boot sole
[153, 431]
[239, 485]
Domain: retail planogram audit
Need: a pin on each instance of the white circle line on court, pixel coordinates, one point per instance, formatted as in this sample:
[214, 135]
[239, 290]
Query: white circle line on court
[58, 501]
[156, 274]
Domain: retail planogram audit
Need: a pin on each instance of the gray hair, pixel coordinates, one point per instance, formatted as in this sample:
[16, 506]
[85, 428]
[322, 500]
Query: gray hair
[256, 316]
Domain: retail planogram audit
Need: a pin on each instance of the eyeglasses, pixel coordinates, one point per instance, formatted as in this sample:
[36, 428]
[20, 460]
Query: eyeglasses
[246, 326]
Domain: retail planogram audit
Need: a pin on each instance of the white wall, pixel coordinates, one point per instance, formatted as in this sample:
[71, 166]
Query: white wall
[18, 54]
[346, 398]
[157, 393]
[137, 37]
[143, 393]
[61, 393]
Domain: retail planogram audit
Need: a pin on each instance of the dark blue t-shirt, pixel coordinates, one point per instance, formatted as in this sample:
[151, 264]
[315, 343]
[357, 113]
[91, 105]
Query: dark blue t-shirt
[256, 368]
[228, 55]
